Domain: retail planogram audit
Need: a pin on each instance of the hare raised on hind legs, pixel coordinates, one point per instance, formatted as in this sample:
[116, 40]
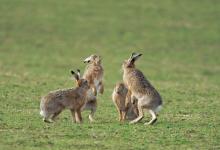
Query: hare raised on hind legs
[74, 99]
[140, 88]
[93, 74]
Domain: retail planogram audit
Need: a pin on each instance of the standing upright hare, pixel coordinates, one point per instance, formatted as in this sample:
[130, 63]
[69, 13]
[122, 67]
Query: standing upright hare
[93, 74]
[125, 108]
[56, 101]
[140, 88]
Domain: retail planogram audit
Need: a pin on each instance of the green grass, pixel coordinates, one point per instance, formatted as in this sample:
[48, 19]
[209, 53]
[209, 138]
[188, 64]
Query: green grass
[41, 40]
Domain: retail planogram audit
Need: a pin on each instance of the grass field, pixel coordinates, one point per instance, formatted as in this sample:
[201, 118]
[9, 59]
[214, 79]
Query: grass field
[42, 40]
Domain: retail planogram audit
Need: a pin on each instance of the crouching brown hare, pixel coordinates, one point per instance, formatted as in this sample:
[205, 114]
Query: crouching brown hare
[73, 98]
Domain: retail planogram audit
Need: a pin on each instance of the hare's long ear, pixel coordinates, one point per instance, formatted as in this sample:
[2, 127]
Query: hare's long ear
[134, 57]
[88, 59]
[78, 73]
[98, 60]
[75, 75]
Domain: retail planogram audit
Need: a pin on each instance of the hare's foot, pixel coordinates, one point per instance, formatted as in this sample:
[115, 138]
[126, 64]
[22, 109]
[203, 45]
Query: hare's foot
[47, 120]
[141, 115]
[151, 122]
[91, 118]
[154, 118]
[136, 120]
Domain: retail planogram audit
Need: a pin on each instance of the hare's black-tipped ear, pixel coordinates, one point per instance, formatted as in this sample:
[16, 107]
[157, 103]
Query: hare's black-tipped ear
[72, 72]
[75, 75]
[78, 72]
[134, 57]
[88, 59]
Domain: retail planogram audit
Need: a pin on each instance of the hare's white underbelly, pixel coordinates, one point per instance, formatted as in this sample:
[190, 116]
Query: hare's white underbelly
[142, 98]
[146, 101]
[137, 95]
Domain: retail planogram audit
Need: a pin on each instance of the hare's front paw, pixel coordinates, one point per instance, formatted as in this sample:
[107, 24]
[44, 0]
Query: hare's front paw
[47, 121]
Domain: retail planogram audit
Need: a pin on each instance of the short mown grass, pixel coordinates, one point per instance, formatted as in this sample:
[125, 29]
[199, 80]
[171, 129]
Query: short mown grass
[41, 41]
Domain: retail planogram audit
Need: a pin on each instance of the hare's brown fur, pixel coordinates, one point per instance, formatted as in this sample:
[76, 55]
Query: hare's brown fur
[94, 74]
[141, 88]
[124, 106]
[74, 99]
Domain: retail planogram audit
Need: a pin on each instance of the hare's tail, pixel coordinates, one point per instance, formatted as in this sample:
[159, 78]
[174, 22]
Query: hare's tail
[42, 113]
[42, 108]
[158, 109]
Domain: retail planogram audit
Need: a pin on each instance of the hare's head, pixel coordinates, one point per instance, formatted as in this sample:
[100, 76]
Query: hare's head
[80, 81]
[93, 59]
[120, 88]
[130, 63]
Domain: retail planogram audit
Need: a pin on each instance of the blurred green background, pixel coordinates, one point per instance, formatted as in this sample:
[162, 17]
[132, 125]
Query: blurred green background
[42, 40]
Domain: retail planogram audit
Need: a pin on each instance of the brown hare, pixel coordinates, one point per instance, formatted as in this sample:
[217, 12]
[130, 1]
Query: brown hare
[94, 74]
[56, 101]
[91, 103]
[125, 108]
[140, 88]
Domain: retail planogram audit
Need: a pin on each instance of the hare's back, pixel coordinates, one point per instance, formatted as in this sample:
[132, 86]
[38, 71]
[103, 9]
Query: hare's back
[138, 82]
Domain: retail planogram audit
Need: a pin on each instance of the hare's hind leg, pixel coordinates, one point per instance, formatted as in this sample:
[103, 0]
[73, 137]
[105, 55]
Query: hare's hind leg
[154, 118]
[140, 116]
[47, 117]
[54, 116]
